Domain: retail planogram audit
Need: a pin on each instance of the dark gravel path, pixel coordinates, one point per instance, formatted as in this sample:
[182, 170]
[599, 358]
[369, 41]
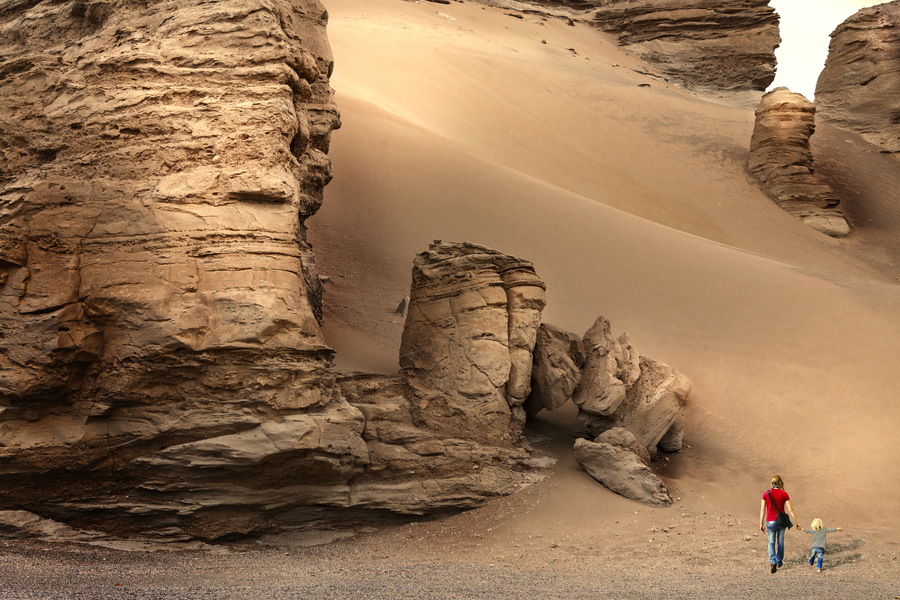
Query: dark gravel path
[34, 570]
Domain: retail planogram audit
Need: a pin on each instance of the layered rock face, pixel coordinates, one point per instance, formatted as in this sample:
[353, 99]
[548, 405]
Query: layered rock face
[859, 88]
[158, 163]
[782, 161]
[701, 44]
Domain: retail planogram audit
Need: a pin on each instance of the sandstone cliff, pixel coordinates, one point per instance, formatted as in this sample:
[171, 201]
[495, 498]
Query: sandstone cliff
[781, 159]
[702, 44]
[859, 88]
[158, 164]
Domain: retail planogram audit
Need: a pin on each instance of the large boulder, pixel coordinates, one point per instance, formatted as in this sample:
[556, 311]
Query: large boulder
[622, 471]
[858, 88]
[782, 161]
[466, 350]
[632, 404]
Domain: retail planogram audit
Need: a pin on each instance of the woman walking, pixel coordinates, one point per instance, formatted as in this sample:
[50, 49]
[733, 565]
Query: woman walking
[774, 501]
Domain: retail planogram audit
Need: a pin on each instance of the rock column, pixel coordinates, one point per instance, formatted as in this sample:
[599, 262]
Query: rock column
[466, 350]
[781, 160]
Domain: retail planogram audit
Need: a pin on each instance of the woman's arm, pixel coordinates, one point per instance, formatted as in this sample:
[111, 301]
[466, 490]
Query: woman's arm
[790, 511]
[762, 516]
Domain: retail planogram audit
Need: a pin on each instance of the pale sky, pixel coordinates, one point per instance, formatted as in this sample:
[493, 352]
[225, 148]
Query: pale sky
[805, 28]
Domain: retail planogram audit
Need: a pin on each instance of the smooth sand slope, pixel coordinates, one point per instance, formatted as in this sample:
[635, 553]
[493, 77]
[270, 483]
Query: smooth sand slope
[631, 197]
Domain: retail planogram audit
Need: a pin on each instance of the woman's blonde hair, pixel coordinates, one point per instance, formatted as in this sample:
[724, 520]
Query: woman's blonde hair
[777, 482]
[816, 525]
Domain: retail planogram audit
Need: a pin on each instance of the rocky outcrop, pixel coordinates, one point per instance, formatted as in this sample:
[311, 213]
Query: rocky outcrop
[633, 404]
[859, 88]
[158, 302]
[781, 159]
[467, 346]
[701, 44]
[651, 409]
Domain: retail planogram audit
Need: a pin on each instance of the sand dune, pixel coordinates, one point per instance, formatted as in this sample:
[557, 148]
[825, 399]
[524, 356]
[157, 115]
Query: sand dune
[463, 123]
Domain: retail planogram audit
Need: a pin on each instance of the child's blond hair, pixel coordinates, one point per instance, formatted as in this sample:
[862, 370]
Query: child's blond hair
[816, 525]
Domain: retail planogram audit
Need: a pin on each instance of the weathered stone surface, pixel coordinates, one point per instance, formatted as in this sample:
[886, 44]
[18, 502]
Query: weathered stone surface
[158, 163]
[622, 471]
[556, 371]
[652, 405]
[702, 44]
[611, 366]
[859, 88]
[466, 350]
[416, 470]
[781, 159]
[623, 438]
[157, 169]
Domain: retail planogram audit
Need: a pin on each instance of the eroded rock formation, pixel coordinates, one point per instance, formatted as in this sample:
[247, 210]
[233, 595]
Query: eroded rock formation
[158, 163]
[702, 44]
[859, 88]
[781, 159]
[556, 370]
[467, 346]
[633, 404]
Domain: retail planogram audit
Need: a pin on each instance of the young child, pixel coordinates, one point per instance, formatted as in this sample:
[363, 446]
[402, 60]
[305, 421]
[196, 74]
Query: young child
[819, 532]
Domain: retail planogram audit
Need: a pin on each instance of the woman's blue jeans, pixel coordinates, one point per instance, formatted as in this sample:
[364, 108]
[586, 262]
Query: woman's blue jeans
[775, 535]
[820, 552]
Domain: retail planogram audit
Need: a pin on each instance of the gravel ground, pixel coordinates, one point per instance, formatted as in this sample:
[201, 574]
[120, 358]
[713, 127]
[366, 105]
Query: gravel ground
[36, 570]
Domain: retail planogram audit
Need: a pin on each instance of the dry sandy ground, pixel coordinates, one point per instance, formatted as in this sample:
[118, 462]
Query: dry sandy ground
[546, 141]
